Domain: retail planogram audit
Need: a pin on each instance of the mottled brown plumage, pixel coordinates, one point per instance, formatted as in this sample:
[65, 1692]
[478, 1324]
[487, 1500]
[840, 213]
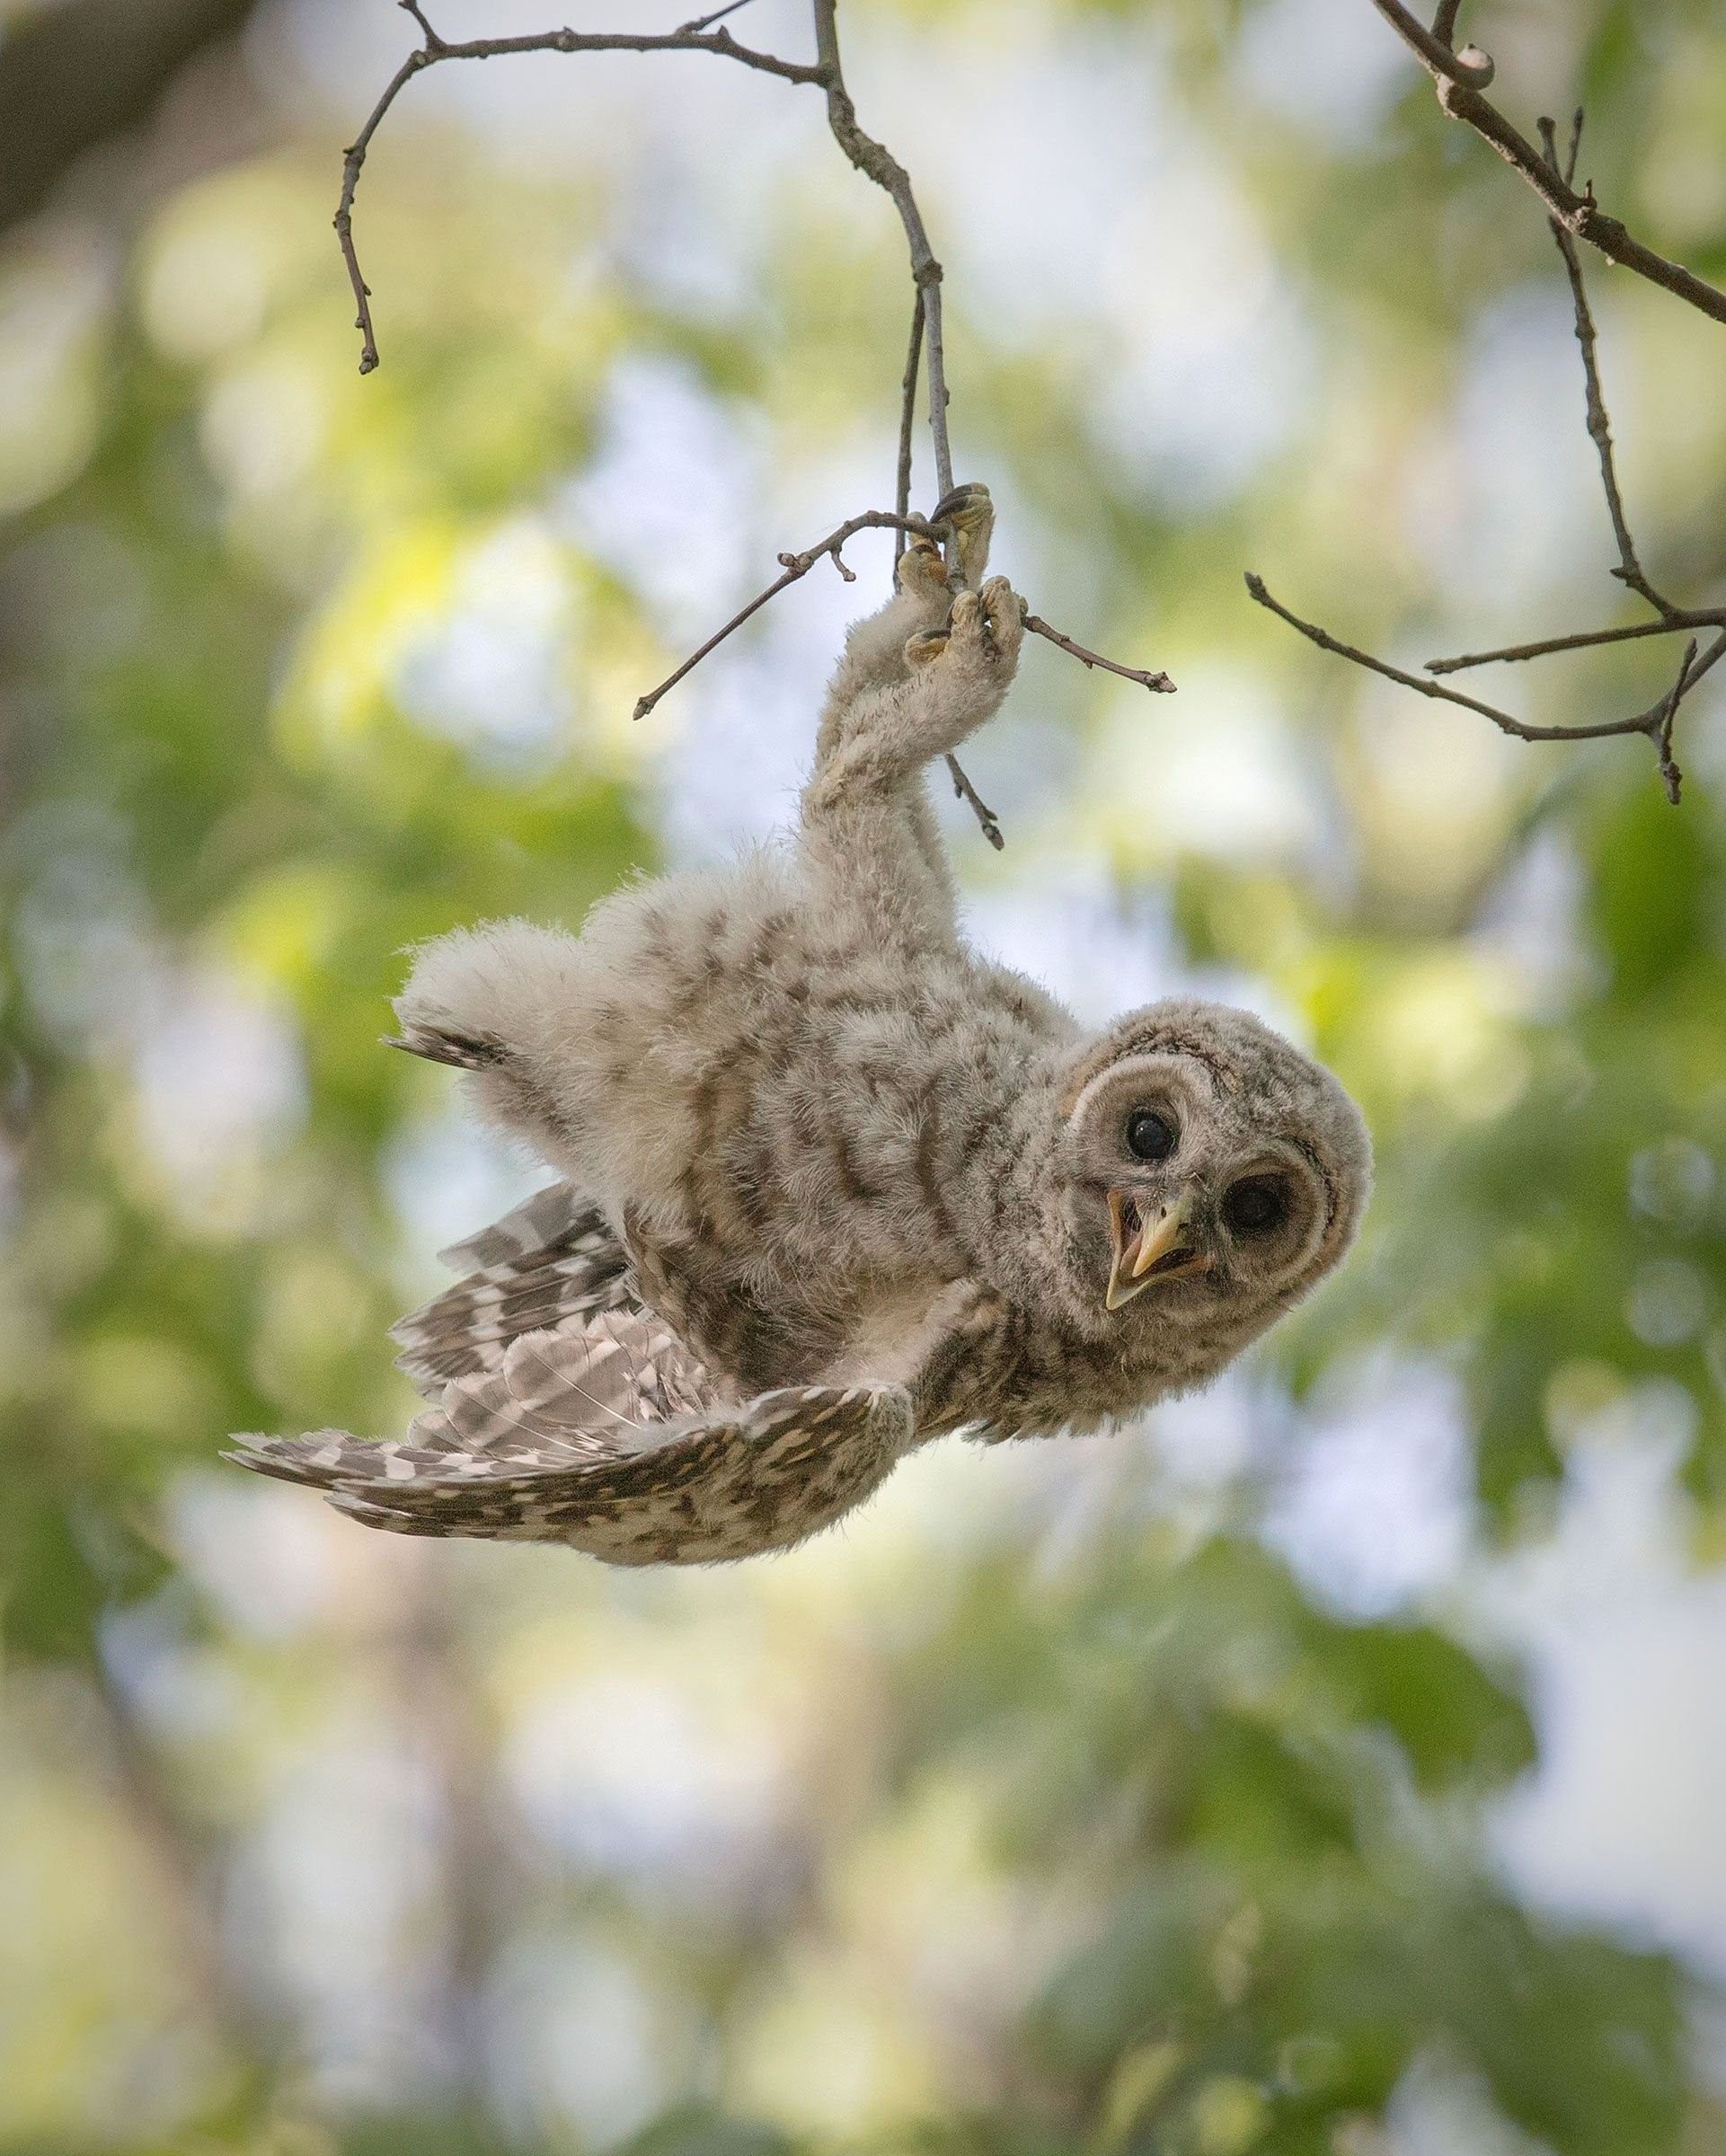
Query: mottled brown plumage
[830, 1183]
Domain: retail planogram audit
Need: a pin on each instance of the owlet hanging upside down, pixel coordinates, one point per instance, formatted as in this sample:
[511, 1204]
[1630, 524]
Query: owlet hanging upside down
[831, 1184]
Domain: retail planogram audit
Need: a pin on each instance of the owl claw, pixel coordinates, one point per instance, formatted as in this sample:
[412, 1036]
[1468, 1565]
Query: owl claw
[969, 512]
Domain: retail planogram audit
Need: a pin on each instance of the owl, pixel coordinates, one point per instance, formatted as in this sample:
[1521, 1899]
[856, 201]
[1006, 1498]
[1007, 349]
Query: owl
[829, 1183]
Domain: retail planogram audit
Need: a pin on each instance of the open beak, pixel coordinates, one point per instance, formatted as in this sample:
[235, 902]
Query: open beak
[1148, 1247]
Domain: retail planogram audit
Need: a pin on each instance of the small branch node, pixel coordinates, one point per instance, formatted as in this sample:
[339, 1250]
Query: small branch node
[434, 43]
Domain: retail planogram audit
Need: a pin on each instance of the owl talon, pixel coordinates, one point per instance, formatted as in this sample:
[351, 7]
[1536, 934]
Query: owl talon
[969, 514]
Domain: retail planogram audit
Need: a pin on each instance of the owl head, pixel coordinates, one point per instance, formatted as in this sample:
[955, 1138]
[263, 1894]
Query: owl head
[1210, 1172]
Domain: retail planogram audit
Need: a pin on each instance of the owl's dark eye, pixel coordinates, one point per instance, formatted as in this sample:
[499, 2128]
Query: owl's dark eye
[1151, 1136]
[1256, 1204]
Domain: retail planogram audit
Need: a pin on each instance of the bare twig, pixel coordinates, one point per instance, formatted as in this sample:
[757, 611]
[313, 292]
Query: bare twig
[1470, 66]
[986, 816]
[908, 421]
[877, 163]
[1579, 640]
[1656, 723]
[872, 159]
[1628, 570]
[436, 49]
[1459, 81]
[1158, 683]
[1444, 23]
[795, 566]
[707, 21]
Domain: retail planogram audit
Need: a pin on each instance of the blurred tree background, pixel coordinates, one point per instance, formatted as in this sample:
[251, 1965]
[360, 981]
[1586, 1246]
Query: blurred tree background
[1335, 1765]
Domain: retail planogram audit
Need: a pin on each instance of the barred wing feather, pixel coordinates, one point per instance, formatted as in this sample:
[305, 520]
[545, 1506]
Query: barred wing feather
[608, 1437]
[552, 1262]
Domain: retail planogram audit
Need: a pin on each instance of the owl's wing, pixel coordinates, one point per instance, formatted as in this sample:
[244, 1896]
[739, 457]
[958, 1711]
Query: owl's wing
[607, 1436]
[552, 1262]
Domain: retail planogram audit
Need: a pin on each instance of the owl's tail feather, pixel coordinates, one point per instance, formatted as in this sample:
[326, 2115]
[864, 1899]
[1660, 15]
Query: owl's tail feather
[442, 1044]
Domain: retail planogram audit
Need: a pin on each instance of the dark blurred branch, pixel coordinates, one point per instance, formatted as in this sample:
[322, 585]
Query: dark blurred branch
[1655, 722]
[478, 1868]
[181, 1866]
[1460, 78]
[74, 75]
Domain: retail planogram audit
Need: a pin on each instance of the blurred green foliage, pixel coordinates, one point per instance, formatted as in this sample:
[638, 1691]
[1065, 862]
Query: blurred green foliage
[1115, 1841]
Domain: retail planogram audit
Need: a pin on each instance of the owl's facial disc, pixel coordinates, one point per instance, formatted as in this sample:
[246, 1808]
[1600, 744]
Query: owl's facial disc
[1151, 1245]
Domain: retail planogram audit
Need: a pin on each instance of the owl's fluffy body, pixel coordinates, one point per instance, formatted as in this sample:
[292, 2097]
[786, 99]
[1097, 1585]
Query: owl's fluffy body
[842, 1157]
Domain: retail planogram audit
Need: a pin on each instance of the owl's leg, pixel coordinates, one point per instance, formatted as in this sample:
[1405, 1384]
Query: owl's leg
[859, 821]
[875, 657]
[867, 826]
[874, 649]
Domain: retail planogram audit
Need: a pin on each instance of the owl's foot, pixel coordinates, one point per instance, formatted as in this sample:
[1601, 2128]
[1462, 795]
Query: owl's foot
[923, 576]
[970, 514]
[983, 634]
[988, 626]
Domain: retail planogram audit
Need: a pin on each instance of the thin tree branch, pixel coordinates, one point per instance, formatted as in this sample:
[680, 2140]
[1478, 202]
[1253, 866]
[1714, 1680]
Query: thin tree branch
[707, 21]
[1470, 67]
[1158, 683]
[1655, 722]
[986, 816]
[1629, 569]
[436, 49]
[1581, 639]
[1459, 80]
[795, 566]
[987, 821]
[908, 421]
[877, 163]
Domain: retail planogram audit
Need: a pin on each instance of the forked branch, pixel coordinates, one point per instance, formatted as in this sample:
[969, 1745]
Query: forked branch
[794, 566]
[1656, 720]
[1461, 79]
[875, 161]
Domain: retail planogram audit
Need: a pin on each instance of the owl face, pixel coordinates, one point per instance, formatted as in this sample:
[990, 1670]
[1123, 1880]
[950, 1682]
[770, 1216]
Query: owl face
[1207, 1167]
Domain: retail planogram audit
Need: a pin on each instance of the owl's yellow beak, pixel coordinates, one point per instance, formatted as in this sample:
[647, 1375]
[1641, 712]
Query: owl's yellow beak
[1149, 1247]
